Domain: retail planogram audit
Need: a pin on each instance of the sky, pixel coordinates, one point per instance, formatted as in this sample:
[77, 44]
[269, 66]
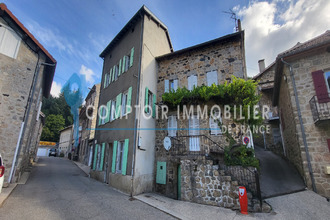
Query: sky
[75, 32]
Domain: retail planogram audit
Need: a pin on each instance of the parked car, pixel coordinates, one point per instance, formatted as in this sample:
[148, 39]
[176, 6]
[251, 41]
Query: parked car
[52, 152]
[2, 172]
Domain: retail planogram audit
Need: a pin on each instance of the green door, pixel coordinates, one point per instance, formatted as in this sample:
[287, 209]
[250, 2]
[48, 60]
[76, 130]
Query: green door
[179, 182]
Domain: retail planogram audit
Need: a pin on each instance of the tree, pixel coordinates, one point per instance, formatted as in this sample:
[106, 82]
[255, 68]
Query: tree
[54, 123]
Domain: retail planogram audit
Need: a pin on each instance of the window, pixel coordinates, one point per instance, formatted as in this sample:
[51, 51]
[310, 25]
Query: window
[120, 154]
[194, 132]
[214, 123]
[173, 85]
[327, 80]
[192, 82]
[124, 103]
[113, 110]
[115, 73]
[150, 102]
[172, 126]
[126, 62]
[9, 41]
[212, 78]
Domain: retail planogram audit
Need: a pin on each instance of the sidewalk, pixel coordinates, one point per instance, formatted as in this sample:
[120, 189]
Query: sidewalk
[83, 167]
[5, 193]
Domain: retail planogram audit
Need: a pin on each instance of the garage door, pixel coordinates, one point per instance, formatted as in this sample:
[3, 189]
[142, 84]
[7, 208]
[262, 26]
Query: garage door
[42, 152]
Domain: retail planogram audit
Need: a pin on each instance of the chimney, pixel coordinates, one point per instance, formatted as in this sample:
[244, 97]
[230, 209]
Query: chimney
[261, 65]
[239, 25]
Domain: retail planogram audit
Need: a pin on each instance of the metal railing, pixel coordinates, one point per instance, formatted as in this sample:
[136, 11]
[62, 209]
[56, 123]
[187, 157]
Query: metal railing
[247, 177]
[320, 108]
[198, 145]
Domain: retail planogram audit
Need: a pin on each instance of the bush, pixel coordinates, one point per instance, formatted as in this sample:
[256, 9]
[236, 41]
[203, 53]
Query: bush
[240, 155]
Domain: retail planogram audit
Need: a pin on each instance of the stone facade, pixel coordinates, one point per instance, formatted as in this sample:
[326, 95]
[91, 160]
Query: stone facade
[22, 86]
[317, 133]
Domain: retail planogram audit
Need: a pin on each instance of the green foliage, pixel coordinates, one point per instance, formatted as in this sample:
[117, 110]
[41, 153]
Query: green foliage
[238, 94]
[240, 155]
[54, 123]
[51, 107]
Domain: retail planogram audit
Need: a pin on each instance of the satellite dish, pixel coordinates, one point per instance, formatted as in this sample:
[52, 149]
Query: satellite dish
[167, 143]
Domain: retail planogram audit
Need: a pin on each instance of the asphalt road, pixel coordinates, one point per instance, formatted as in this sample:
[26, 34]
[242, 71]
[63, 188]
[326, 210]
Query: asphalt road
[58, 189]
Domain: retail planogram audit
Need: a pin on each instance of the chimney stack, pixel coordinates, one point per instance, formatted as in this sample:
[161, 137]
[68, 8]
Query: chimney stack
[261, 65]
[239, 25]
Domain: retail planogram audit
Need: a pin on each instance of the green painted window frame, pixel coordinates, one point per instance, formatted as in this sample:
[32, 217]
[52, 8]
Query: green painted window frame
[107, 119]
[102, 157]
[119, 70]
[95, 156]
[124, 160]
[146, 100]
[105, 80]
[154, 106]
[129, 101]
[124, 64]
[118, 106]
[131, 57]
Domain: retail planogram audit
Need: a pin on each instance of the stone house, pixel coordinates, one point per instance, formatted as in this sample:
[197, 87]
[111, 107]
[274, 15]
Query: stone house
[89, 110]
[64, 145]
[190, 167]
[271, 140]
[125, 137]
[26, 71]
[301, 94]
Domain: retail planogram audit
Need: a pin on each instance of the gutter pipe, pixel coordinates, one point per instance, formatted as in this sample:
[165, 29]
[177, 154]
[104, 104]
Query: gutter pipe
[301, 125]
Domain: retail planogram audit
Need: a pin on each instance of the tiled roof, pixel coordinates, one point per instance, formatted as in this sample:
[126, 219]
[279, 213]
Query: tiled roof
[315, 42]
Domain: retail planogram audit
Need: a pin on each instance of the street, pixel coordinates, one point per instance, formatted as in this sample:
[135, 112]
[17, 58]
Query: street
[58, 189]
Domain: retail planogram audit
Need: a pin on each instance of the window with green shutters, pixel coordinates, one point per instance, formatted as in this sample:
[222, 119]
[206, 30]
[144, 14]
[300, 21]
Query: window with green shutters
[125, 154]
[107, 119]
[110, 76]
[119, 70]
[154, 105]
[161, 172]
[105, 81]
[118, 106]
[150, 102]
[129, 100]
[123, 68]
[146, 105]
[114, 156]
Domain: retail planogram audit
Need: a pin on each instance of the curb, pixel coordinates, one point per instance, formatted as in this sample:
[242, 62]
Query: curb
[6, 193]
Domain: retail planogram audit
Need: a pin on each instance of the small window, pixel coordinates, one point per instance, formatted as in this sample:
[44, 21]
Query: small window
[9, 41]
[113, 110]
[115, 69]
[212, 78]
[173, 84]
[327, 80]
[172, 126]
[149, 105]
[192, 82]
[215, 119]
[127, 60]
[120, 154]
[124, 103]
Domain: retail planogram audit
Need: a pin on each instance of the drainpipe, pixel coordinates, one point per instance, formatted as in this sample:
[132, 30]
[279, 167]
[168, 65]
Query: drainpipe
[301, 125]
[137, 103]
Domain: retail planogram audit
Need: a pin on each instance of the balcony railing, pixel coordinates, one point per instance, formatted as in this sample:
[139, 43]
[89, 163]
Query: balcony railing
[194, 145]
[320, 108]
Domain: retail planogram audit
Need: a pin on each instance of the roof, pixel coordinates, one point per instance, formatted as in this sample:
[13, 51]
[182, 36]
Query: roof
[229, 37]
[16, 24]
[316, 43]
[66, 128]
[142, 11]
[265, 70]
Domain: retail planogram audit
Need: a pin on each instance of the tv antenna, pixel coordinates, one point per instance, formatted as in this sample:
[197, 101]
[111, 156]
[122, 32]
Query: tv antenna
[233, 16]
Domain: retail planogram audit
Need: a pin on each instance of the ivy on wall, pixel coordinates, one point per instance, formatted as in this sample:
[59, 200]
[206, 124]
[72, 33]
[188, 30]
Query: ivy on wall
[240, 95]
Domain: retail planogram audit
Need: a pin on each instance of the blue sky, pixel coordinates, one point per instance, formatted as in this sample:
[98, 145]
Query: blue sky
[76, 31]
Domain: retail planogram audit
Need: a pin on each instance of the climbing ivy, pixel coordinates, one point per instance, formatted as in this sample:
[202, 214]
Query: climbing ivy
[239, 94]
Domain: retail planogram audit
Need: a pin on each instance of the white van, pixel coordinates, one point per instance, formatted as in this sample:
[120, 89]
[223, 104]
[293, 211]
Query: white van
[2, 172]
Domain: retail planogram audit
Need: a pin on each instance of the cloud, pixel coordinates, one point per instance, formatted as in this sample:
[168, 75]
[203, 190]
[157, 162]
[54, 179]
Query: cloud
[88, 73]
[275, 26]
[56, 89]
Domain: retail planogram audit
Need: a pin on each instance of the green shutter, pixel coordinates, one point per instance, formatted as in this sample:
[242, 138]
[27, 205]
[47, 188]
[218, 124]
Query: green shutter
[109, 112]
[95, 156]
[105, 80]
[113, 73]
[110, 76]
[154, 106]
[131, 58]
[118, 106]
[161, 173]
[119, 71]
[129, 100]
[125, 153]
[114, 156]
[123, 67]
[146, 100]
[102, 156]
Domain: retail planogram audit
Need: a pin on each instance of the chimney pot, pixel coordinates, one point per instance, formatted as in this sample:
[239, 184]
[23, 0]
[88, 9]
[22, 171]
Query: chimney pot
[261, 65]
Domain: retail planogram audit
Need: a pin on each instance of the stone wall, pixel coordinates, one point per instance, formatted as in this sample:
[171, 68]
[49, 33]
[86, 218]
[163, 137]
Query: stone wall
[16, 79]
[204, 183]
[316, 134]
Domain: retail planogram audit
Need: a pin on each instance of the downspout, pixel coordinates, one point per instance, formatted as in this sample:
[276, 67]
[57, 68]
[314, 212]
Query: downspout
[301, 125]
[137, 103]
